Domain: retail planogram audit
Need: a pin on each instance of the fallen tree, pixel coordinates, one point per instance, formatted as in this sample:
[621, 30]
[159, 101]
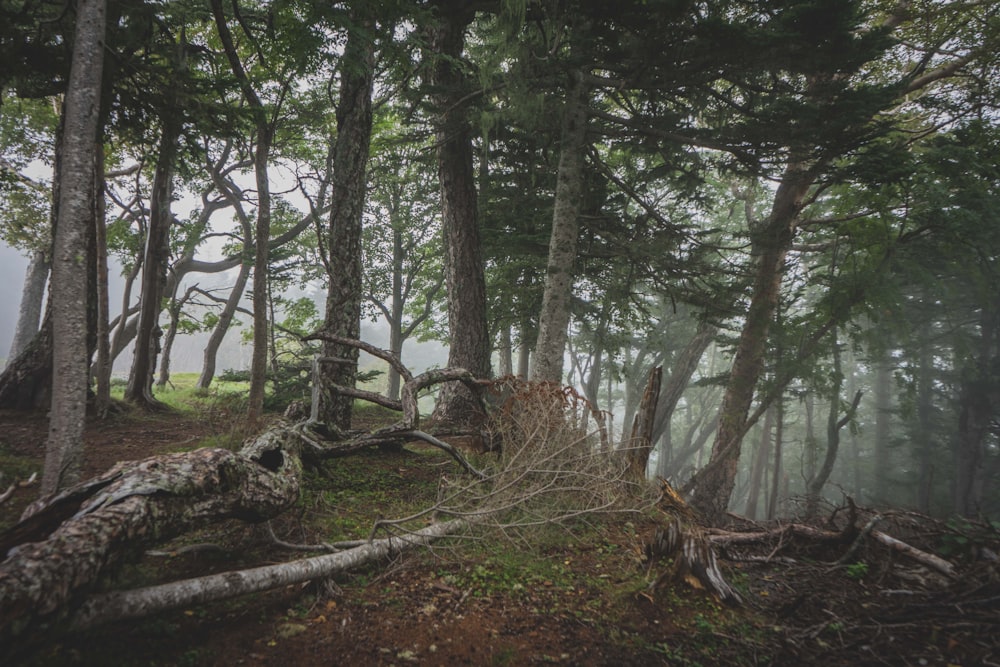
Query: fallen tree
[62, 546]
[547, 470]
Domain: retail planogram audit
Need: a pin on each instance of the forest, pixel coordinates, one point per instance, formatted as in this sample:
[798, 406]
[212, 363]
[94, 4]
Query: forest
[722, 275]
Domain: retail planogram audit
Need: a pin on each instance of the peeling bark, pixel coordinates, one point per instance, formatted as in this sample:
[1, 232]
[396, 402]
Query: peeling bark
[65, 543]
[145, 601]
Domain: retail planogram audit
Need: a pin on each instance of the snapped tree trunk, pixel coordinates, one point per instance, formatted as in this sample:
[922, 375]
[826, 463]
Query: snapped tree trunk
[339, 364]
[465, 279]
[640, 444]
[75, 213]
[553, 320]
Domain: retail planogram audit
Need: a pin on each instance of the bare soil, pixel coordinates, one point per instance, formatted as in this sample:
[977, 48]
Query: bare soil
[452, 605]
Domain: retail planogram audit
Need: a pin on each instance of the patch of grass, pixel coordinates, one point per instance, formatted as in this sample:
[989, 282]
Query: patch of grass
[857, 570]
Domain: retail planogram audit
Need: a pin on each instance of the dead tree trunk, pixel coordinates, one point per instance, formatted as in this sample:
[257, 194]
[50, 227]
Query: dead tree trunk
[142, 602]
[64, 543]
[641, 442]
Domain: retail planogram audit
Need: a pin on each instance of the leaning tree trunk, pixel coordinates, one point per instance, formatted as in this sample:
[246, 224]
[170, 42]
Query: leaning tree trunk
[221, 327]
[713, 485]
[834, 424]
[32, 299]
[140, 380]
[680, 376]
[338, 365]
[465, 280]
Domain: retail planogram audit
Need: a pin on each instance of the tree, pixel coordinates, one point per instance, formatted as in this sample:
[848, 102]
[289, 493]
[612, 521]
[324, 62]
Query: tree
[464, 273]
[75, 212]
[338, 365]
[553, 321]
[823, 91]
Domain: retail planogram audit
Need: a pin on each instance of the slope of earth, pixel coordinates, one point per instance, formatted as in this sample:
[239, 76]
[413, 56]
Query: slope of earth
[577, 595]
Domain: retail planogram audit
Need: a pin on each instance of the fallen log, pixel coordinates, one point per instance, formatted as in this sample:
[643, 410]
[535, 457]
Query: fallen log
[725, 538]
[922, 557]
[55, 555]
[140, 602]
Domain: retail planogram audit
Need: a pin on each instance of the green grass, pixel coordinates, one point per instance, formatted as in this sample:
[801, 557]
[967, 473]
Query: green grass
[181, 393]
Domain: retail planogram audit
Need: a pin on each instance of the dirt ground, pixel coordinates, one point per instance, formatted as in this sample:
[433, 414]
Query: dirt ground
[444, 607]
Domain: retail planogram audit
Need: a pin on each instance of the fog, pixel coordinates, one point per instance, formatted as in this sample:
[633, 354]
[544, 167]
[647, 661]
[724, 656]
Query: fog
[187, 353]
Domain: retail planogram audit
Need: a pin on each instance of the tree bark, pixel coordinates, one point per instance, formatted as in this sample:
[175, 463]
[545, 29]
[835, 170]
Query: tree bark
[713, 485]
[70, 359]
[101, 370]
[760, 461]
[834, 424]
[222, 327]
[29, 313]
[154, 267]
[553, 321]
[132, 505]
[349, 192]
[465, 279]
[640, 444]
[146, 601]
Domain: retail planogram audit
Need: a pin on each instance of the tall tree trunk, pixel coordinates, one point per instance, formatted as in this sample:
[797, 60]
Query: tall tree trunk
[261, 265]
[883, 421]
[262, 226]
[811, 445]
[154, 271]
[713, 485]
[396, 321]
[465, 279]
[553, 320]
[339, 363]
[925, 409]
[64, 447]
[524, 354]
[29, 313]
[506, 351]
[760, 460]
[977, 399]
[779, 436]
[101, 369]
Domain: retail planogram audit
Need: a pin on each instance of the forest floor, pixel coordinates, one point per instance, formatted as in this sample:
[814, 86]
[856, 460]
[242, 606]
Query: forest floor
[575, 596]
